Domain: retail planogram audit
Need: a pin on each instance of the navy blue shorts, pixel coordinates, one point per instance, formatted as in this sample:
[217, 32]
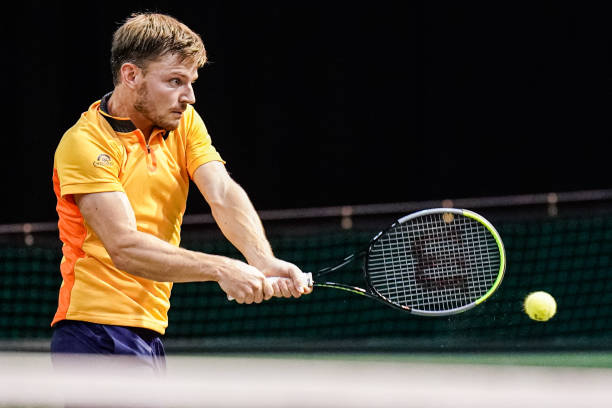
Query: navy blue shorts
[76, 337]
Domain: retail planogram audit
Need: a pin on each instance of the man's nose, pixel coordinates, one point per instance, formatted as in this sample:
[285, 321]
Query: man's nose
[188, 96]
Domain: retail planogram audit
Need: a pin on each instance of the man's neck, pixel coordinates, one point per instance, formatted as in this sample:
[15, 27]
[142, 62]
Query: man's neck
[121, 105]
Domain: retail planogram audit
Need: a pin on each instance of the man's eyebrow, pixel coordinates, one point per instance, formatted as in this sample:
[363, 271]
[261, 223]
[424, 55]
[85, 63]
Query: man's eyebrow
[178, 72]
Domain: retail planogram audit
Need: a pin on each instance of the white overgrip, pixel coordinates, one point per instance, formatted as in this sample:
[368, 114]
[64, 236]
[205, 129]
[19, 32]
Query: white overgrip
[305, 281]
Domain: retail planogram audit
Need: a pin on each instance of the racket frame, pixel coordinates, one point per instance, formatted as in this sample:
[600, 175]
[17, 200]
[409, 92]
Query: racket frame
[372, 293]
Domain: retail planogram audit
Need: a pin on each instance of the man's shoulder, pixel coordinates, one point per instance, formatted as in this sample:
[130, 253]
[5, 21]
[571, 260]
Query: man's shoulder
[87, 127]
[191, 122]
[88, 131]
[190, 111]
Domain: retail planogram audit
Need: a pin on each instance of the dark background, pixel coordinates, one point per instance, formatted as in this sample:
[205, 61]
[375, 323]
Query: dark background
[333, 103]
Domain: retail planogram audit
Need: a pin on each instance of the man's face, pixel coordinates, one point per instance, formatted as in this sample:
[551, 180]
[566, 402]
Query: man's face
[166, 90]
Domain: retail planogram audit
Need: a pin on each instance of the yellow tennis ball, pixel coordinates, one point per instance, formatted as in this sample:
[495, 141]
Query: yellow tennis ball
[540, 306]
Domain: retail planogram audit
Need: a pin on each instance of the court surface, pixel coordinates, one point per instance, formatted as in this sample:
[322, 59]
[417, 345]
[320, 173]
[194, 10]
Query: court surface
[317, 380]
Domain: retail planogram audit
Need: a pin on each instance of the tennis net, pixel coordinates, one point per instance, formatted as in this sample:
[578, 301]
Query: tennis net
[559, 243]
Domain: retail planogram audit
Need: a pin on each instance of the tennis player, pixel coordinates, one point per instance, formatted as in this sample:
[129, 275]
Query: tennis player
[121, 176]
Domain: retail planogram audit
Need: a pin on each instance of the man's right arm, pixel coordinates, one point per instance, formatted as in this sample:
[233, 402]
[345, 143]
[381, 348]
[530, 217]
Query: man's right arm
[111, 217]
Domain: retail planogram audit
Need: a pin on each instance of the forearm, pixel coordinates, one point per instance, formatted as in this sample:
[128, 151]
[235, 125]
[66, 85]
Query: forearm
[147, 256]
[241, 225]
[111, 217]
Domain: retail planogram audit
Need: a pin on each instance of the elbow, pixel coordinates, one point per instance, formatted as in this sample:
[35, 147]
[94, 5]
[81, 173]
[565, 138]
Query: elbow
[217, 198]
[119, 260]
[119, 251]
[219, 195]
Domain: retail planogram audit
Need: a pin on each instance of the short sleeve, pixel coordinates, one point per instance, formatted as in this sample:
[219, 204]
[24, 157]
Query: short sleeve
[199, 145]
[87, 164]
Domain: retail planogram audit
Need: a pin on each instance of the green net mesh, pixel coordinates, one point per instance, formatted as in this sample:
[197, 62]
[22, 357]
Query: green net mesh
[568, 255]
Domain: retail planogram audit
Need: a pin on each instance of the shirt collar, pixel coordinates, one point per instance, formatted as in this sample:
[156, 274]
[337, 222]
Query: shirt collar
[123, 125]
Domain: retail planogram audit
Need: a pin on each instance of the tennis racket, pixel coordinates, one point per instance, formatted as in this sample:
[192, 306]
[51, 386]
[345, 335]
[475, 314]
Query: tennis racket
[434, 262]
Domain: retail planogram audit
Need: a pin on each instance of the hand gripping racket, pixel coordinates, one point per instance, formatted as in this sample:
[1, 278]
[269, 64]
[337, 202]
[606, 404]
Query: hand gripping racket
[434, 262]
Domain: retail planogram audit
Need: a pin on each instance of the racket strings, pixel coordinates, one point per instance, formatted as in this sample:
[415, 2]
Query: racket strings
[434, 262]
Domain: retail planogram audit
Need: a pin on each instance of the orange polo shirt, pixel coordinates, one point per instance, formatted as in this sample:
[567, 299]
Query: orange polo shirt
[104, 153]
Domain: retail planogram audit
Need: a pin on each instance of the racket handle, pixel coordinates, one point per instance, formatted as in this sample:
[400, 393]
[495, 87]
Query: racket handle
[306, 281]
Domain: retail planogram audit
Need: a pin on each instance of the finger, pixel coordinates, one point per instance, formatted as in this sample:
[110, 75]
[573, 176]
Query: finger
[258, 294]
[296, 291]
[276, 287]
[239, 296]
[299, 280]
[248, 298]
[268, 289]
[308, 283]
[283, 285]
[279, 288]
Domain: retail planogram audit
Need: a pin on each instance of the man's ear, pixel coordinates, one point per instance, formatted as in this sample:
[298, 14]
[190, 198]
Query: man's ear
[131, 75]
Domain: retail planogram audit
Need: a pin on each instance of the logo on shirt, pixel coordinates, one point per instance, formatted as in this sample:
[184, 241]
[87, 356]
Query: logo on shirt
[103, 160]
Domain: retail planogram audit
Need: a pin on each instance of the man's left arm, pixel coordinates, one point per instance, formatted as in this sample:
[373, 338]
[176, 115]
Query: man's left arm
[236, 217]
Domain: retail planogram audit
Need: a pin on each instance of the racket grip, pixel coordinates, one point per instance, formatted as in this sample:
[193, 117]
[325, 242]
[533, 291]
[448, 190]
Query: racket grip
[306, 281]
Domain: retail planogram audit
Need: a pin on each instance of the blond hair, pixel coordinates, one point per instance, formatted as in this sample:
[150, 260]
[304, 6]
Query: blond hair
[144, 37]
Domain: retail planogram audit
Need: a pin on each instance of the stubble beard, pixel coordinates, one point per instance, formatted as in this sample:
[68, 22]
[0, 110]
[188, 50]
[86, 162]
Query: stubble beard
[143, 105]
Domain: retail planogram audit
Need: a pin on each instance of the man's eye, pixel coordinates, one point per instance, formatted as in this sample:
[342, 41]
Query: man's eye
[175, 81]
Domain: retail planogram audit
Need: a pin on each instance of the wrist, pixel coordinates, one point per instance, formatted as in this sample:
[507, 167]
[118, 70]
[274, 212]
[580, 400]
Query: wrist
[261, 261]
[216, 267]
